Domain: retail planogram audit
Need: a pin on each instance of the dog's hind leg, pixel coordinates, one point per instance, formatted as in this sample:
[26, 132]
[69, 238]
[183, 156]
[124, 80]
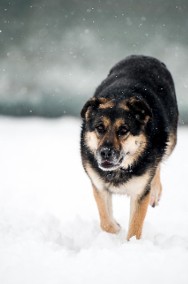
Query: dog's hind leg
[156, 189]
[138, 210]
[104, 203]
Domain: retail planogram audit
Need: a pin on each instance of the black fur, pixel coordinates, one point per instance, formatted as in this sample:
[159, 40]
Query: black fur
[149, 81]
[147, 78]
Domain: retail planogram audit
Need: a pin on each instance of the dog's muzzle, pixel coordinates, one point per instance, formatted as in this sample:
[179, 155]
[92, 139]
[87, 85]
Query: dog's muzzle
[108, 158]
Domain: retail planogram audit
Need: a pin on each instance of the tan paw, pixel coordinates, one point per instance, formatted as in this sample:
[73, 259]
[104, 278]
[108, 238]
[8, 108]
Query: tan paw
[111, 227]
[137, 235]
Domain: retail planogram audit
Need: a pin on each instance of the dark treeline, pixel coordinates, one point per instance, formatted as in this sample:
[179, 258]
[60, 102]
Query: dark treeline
[53, 54]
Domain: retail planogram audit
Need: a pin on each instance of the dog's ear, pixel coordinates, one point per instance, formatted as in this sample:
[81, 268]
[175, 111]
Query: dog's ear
[88, 107]
[140, 108]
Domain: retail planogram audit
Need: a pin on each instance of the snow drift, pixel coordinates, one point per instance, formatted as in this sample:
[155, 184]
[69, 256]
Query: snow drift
[49, 227]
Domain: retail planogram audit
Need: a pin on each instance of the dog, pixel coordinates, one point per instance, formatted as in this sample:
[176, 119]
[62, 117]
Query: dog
[129, 127]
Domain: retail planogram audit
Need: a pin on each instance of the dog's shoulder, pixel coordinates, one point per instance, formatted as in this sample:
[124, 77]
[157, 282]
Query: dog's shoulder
[137, 63]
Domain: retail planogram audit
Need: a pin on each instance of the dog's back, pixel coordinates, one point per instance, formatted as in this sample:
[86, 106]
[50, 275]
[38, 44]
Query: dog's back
[148, 78]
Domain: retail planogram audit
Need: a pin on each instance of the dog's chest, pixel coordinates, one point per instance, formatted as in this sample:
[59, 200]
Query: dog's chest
[133, 187]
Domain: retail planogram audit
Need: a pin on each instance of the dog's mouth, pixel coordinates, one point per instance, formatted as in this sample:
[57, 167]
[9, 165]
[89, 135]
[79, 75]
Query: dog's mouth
[108, 165]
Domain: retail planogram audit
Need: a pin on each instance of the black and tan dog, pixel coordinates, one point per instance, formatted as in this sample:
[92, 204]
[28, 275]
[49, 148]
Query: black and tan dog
[129, 128]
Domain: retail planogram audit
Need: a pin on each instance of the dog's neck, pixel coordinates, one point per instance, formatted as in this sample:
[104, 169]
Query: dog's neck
[118, 174]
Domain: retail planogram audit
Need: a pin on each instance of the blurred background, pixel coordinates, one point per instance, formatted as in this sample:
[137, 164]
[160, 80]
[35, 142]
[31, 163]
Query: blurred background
[53, 54]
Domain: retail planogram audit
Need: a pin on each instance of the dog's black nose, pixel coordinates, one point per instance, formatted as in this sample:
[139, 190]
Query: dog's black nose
[106, 153]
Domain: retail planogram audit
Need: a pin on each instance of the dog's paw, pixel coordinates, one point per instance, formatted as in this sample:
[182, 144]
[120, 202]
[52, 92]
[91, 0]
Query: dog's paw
[111, 227]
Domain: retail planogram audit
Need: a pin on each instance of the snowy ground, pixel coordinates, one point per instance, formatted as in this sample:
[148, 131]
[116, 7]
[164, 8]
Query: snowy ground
[49, 229]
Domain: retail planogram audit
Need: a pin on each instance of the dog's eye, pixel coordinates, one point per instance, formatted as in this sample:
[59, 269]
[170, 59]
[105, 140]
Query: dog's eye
[100, 128]
[123, 130]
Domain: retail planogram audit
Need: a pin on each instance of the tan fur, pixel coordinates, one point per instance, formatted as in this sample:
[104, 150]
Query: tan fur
[114, 140]
[106, 121]
[146, 119]
[104, 204]
[156, 188]
[110, 135]
[92, 141]
[87, 113]
[137, 215]
[104, 100]
[171, 144]
[123, 105]
[134, 147]
[106, 104]
[119, 122]
[133, 187]
[96, 180]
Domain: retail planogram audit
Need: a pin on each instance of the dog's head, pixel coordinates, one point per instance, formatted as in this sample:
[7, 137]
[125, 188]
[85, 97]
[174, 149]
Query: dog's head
[115, 131]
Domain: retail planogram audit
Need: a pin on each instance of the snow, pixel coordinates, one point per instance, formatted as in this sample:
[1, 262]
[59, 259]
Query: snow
[49, 227]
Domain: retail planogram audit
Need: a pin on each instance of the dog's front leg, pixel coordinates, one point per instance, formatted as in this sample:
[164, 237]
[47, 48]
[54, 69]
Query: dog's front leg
[156, 189]
[138, 210]
[104, 203]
